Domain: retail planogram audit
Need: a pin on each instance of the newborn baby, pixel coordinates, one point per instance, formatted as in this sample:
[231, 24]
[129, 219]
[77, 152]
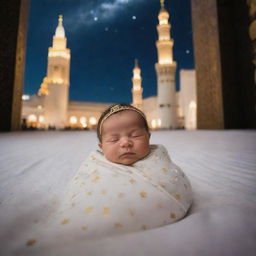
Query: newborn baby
[123, 134]
[129, 186]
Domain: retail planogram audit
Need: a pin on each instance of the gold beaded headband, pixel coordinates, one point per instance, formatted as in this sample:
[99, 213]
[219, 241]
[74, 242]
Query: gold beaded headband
[118, 108]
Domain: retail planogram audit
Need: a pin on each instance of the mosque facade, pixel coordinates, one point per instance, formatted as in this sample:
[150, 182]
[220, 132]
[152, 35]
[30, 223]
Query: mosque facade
[50, 108]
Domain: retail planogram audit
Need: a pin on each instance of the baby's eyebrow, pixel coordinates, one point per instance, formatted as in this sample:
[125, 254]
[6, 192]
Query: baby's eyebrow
[136, 130]
[112, 135]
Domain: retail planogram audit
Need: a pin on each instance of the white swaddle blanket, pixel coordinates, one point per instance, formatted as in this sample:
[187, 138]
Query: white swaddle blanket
[105, 198]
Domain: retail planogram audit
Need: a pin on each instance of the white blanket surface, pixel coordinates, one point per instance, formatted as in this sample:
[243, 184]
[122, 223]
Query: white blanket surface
[36, 168]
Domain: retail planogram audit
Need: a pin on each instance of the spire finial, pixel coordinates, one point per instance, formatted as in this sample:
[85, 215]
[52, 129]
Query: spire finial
[136, 63]
[60, 20]
[162, 3]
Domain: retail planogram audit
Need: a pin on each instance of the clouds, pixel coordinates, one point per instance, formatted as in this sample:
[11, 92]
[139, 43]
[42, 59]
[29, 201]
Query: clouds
[91, 12]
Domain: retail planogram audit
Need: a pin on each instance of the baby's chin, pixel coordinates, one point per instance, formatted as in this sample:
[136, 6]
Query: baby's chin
[124, 161]
[130, 161]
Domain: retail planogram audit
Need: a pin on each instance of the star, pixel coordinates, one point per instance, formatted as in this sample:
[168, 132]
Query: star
[88, 209]
[178, 196]
[105, 211]
[65, 221]
[164, 170]
[132, 181]
[106, 29]
[118, 225]
[134, 17]
[143, 194]
[96, 179]
[187, 51]
[95, 18]
[84, 228]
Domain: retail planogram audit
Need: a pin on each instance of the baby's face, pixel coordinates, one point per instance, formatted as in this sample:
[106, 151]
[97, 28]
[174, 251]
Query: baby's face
[124, 138]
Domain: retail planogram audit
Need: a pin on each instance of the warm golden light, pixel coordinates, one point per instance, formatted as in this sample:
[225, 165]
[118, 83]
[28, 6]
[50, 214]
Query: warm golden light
[44, 87]
[59, 54]
[159, 122]
[73, 120]
[156, 123]
[153, 124]
[41, 119]
[192, 104]
[165, 61]
[57, 80]
[92, 120]
[163, 22]
[83, 121]
[191, 116]
[32, 118]
[136, 75]
[25, 97]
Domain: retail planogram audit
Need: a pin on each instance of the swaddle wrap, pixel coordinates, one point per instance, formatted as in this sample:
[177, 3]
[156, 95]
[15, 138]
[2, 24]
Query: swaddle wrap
[105, 198]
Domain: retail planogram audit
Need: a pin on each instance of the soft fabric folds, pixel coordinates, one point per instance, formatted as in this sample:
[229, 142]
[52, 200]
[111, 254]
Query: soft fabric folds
[105, 198]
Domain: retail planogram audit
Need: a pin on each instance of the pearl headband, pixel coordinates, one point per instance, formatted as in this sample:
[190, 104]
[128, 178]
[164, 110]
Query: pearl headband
[118, 108]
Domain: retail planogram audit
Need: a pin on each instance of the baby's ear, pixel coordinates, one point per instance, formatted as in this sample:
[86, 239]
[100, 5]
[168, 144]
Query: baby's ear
[100, 145]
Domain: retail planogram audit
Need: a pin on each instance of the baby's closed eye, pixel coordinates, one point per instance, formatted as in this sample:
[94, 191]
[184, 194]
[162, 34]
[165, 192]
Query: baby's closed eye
[112, 140]
[136, 134]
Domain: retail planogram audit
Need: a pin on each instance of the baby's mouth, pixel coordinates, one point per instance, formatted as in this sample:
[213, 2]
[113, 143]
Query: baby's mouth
[127, 154]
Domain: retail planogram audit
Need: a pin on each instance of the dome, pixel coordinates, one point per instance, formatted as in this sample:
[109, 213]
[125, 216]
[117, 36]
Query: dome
[163, 14]
[60, 32]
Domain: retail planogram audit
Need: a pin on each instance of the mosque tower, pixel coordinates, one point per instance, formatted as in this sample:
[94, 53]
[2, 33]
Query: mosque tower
[165, 69]
[56, 102]
[137, 89]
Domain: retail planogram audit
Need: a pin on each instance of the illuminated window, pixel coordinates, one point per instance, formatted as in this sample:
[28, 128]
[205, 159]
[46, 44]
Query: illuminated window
[191, 116]
[25, 97]
[153, 123]
[159, 122]
[32, 118]
[163, 22]
[83, 121]
[92, 120]
[192, 104]
[41, 119]
[73, 119]
[57, 80]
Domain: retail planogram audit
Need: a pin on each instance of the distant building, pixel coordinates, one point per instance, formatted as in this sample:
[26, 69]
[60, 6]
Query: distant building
[51, 108]
[137, 89]
[187, 98]
[165, 70]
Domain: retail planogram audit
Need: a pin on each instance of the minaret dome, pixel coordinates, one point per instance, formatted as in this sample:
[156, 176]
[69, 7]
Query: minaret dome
[60, 32]
[163, 15]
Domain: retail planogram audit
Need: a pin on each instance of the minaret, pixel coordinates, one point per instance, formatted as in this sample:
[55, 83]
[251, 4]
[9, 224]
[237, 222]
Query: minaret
[43, 88]
[56, 102]
[165, 69]
[137, 89]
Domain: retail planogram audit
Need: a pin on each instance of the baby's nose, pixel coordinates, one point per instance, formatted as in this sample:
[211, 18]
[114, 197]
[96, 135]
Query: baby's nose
[125, 142]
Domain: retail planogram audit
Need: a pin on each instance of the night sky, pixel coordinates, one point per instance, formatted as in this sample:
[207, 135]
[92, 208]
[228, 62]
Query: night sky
[105, 36]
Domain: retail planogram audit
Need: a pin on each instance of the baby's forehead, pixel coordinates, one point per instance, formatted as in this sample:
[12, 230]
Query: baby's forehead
[123, 119]
[127, 111]
[130, 114]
